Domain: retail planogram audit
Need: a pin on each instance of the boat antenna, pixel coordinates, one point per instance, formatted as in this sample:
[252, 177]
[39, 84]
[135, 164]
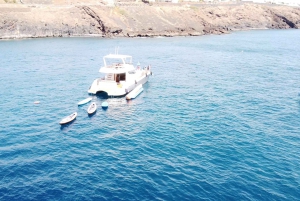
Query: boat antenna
[116, 50]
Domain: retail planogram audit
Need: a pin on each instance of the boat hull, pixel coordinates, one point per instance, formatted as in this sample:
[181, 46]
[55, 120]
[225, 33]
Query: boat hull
[139, 82]
[135, 92]
[84, 101]
[92, 108]
[117, 90]
[68, 119]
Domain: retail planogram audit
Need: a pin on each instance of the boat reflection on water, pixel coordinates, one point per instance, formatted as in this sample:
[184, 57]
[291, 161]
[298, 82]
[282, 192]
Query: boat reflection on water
[129, 102]
[68, 126]
[93, 116]
[102, 95]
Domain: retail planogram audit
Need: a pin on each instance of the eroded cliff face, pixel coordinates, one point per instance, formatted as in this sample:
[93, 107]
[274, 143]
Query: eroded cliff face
[21, 21]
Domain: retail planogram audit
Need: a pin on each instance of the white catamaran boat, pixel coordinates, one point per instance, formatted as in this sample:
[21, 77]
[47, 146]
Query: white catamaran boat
[120, 76]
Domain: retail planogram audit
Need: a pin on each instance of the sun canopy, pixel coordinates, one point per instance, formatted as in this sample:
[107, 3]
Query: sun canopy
[117, 56]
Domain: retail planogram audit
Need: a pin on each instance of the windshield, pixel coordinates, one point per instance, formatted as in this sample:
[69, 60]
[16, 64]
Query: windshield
[115, 61]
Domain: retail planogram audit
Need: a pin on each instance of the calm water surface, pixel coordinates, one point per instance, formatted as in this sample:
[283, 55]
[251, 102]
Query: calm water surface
[218, 120]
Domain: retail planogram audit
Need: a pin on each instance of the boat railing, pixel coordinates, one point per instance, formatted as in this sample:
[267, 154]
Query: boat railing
[117, 65]
[102, 79]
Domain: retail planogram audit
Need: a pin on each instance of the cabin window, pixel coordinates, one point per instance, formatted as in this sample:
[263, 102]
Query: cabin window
[120, 77]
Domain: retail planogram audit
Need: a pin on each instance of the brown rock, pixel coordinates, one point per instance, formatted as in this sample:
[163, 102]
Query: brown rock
[140, 20]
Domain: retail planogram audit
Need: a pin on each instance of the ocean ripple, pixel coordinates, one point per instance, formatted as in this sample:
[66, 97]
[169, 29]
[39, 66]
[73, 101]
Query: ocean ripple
[219, 120]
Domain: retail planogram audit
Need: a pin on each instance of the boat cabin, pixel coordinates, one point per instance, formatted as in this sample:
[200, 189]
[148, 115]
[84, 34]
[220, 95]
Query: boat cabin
[116, 67]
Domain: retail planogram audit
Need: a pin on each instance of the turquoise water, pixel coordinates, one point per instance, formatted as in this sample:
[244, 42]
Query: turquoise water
[218, 120]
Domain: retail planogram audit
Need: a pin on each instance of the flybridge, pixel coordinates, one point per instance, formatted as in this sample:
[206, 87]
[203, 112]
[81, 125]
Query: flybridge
[117, 58]
[117, 63]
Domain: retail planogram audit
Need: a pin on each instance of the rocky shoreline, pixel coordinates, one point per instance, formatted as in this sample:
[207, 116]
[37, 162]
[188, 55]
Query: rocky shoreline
[140, 19]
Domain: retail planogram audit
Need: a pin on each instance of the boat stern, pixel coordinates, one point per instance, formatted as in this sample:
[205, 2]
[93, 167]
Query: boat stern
[112, 88]
[93, 88]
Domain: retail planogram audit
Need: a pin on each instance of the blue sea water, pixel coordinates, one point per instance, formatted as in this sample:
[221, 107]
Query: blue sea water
[218, 120]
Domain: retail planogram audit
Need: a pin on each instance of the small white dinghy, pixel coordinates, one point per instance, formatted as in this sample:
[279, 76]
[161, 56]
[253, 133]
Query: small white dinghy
[84, 101]
[68, 119]
[135, 92]
[92, 108]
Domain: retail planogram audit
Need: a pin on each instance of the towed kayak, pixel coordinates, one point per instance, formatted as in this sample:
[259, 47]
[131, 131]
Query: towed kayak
[92, 108]
[68, 119]
[84, 101]
[135, 92]
[104, 105]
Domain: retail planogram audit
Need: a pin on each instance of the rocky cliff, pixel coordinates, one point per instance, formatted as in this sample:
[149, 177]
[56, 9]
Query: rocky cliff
[140, 19]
